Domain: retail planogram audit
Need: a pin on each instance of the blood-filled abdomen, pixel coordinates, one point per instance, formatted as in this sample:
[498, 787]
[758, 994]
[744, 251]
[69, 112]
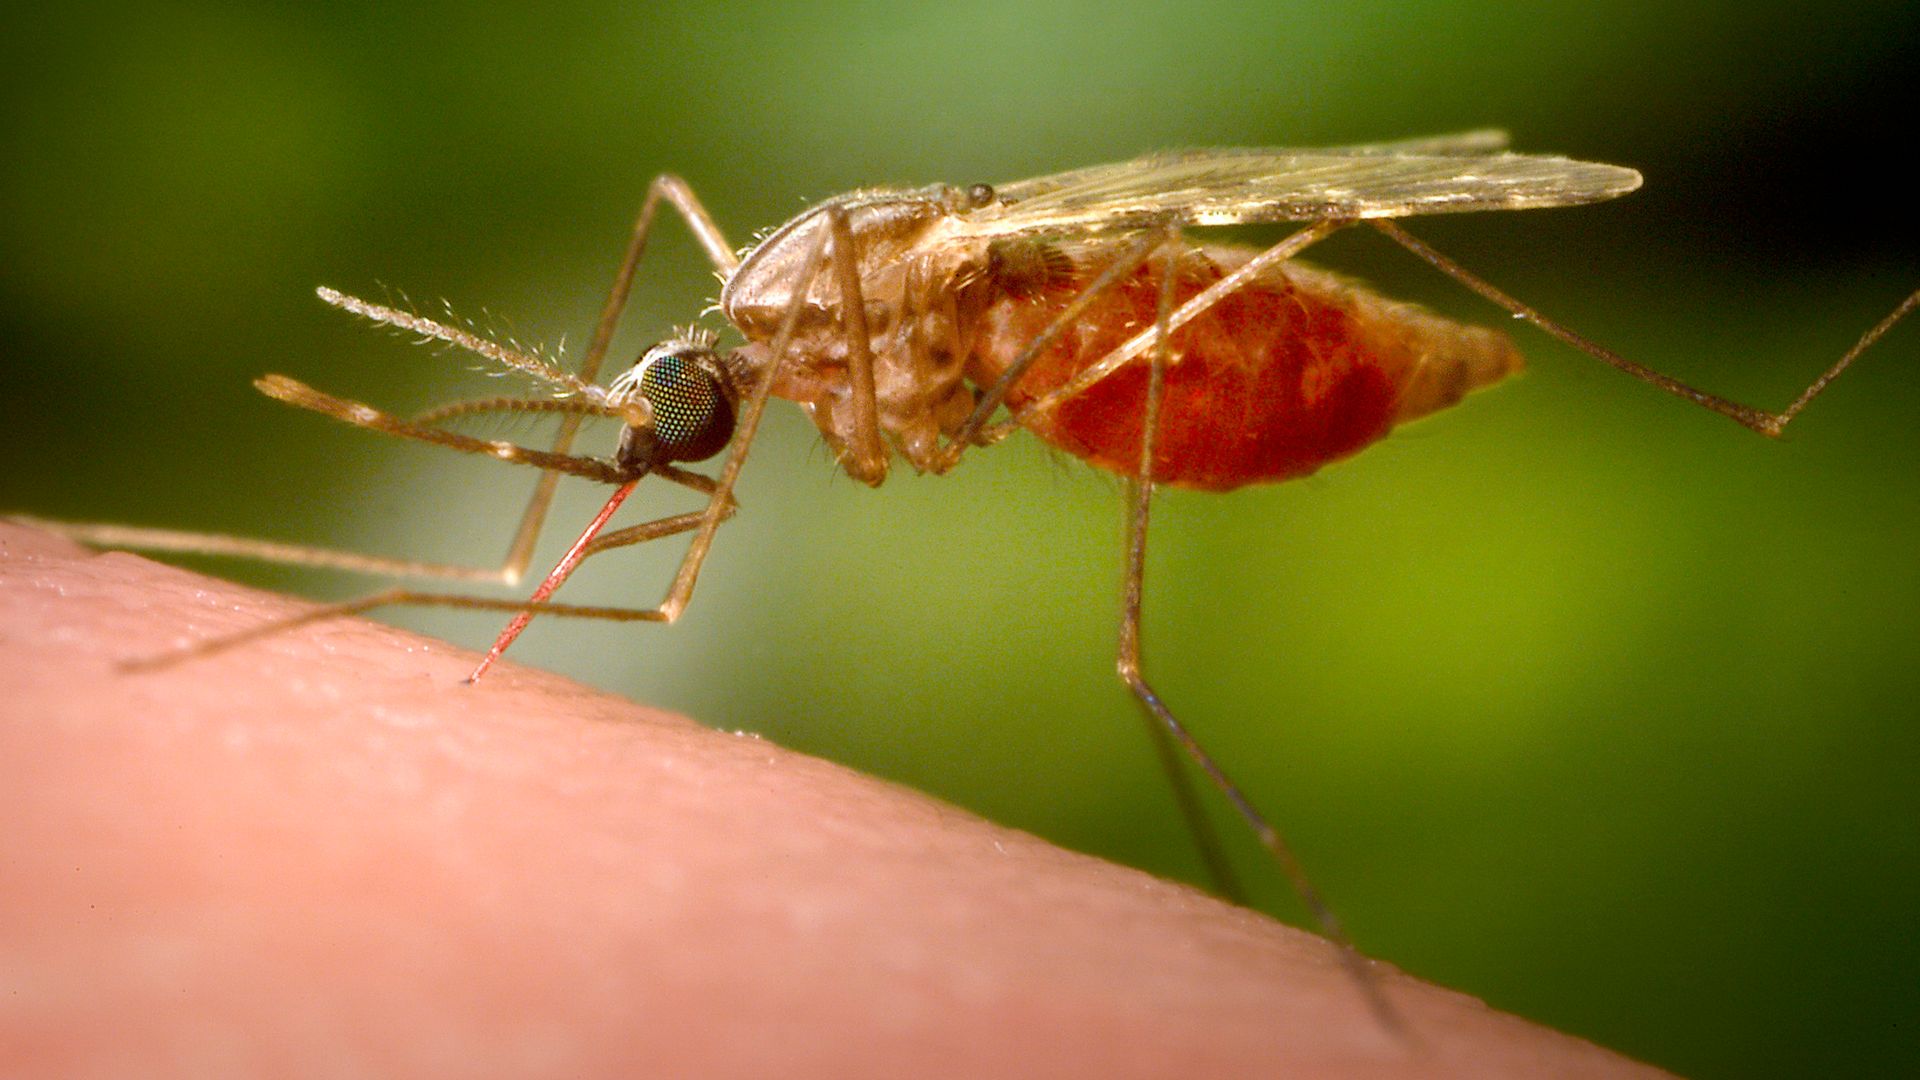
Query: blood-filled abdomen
[1294, 370]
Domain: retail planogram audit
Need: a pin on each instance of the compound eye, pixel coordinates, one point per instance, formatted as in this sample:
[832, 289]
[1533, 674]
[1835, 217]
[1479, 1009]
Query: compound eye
[691, 401]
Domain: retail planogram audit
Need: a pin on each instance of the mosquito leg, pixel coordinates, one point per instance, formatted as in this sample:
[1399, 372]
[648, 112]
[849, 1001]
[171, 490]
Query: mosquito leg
[712, 241]
[1172, 764]
[555, 578]
[720, 502]
[588, 543]
[1758, 420]
[1128, 661]
[720, 505]
[1200, 829]
[558, 460]
[678, 195]
[360, 415]
[652, 530]
[867, 454]
[672, 525]
[177, 541]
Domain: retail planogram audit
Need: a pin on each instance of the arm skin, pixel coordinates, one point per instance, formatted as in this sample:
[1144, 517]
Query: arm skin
[321, 854]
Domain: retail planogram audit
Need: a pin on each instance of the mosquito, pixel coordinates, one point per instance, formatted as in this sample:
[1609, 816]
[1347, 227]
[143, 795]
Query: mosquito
[925, 322]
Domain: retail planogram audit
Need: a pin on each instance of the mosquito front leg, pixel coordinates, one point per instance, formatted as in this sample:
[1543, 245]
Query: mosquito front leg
[1753, 419]
[657, 529]
[719, 504]
[403, 597]
[748, 424]
[585, 400]
[362, 415]
[221, 545]
[678, 195]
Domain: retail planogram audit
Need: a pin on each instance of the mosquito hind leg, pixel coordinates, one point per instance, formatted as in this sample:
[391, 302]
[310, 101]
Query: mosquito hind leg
[1747, 416]
[1170, 738]
[1169, 728]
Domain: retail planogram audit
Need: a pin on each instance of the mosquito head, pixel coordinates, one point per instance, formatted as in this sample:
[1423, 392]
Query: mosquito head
[683, 397]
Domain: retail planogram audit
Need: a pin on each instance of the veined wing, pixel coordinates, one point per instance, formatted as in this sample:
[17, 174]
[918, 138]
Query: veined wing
[1463, 143]
[1478, 141]
[1449, 174]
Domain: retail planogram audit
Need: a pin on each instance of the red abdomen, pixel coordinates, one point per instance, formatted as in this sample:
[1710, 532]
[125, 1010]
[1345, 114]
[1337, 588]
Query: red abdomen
[1297, 369]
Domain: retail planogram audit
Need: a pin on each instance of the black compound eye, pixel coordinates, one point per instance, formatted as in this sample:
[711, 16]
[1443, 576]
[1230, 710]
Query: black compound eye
[691, 403]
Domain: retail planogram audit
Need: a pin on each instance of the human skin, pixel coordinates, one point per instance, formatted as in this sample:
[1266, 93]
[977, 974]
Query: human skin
[321, 854]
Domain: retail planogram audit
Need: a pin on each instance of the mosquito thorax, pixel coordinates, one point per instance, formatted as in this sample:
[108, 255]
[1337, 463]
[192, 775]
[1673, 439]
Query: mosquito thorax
[684, 394]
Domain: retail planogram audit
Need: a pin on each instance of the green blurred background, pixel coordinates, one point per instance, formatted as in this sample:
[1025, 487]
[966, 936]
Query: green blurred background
[1575, 698]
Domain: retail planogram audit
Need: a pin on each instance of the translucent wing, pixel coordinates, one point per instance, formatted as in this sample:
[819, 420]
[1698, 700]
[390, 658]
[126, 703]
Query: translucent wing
[1481, 141]
[1445, 174]
[1461, 143]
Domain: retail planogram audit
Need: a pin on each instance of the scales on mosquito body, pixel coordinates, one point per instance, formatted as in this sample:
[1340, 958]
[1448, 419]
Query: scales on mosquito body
[926, 322]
